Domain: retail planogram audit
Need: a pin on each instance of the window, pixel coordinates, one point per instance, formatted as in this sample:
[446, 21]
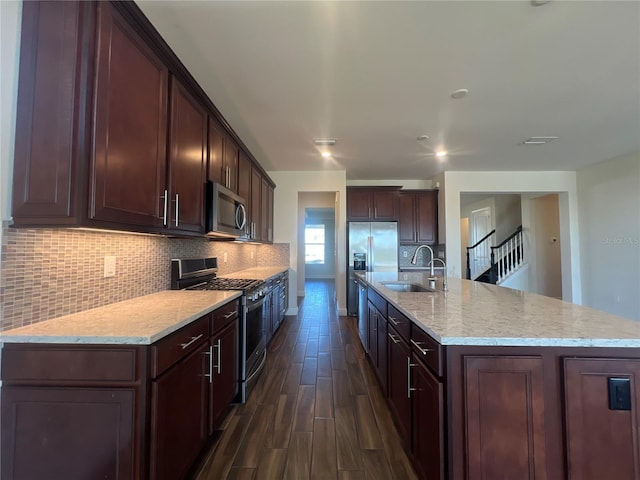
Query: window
[314, 244]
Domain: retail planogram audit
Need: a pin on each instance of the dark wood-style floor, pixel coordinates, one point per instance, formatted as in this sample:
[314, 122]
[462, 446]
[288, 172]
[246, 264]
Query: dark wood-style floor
[316, 411]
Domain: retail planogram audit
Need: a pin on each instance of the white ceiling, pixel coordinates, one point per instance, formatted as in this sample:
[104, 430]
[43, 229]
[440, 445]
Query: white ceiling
[376, 75]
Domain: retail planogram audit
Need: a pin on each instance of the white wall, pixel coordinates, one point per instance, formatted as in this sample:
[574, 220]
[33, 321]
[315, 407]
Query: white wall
[609, 195]
[286, 221]
[10, 24]
[456, 183]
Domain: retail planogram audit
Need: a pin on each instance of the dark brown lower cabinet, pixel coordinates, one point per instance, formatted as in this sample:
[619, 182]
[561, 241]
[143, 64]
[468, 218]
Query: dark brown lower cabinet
[398, 393]
[505, 417]
[68, 433]
[179, 415]
[226, 371]
[428, 422]
[602, 404]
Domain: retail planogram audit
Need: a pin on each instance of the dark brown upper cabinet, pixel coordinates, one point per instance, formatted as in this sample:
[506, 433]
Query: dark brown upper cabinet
[129, 157]
[53, 109]
[223, 157]
[372, 204]
[112, 131]
[418, 217]
[187, 161]
[244, 186]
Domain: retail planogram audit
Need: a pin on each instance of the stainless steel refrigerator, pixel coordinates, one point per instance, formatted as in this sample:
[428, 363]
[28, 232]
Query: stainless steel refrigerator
[378, 241]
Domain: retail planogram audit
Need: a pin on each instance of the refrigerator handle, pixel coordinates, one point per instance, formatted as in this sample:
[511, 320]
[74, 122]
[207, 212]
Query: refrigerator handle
[373, 260]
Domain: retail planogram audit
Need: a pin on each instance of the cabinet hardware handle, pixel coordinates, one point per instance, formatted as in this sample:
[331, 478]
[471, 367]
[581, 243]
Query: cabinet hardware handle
[217, 346]
[229, 315]
[369, 212]
[409, 365]
[210, 374]
[176, 209]
[193, 339]
[165, 197]
[393, 337]
[393, 320]
[375, 212]
[422, 350]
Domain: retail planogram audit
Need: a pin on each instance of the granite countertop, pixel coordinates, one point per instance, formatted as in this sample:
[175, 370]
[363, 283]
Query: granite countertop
[475, 313]
[257, 273]
[138, 321]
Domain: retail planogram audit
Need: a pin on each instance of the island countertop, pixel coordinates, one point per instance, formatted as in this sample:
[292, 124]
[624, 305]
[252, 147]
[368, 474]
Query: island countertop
[137, 321]
[475, 313]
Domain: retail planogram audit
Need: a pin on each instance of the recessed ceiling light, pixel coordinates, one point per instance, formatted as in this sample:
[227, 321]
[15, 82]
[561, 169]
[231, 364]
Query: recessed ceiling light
[422, 138]
[325, 141]
[538, 140]
[441, 153]
[460, 93]
[326, 154]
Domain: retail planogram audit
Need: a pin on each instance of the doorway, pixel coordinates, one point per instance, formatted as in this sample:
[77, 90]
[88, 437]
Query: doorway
[480, 224]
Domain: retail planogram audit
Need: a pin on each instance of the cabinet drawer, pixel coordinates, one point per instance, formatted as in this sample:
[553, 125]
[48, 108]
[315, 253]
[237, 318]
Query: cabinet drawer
[401, 323]
[55, 364]
[427, 349]
[224, 315]
[171, 349]
[378, 301]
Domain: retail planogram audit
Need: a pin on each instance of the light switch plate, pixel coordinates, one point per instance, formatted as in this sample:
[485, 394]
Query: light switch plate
[109, 266]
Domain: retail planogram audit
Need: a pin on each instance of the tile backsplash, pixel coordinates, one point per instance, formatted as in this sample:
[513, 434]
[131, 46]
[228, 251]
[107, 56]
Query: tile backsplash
[48, 273]
[407, 251]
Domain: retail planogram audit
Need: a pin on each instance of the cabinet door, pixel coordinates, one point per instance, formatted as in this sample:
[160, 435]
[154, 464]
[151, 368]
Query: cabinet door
[215, 148]
[358, 204]
[179, 407]
[505, 426]
[381, 364]
[373, 334]
[399, 364]
[68, 433]
[406, 218]
[230, 164]
[256, 207]
[427, 217]
[244, 186]
[51, 107]
[601, 442]
[428, 437]
[187, 161]
[129, 157]
[264, 212]
[226, 371]
[385, 205]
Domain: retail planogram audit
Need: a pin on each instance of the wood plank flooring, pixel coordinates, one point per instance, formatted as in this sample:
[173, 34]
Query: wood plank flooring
[316, 412]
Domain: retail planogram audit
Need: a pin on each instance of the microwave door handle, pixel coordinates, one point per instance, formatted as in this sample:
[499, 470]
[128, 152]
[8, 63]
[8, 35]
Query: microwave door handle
[243, 221]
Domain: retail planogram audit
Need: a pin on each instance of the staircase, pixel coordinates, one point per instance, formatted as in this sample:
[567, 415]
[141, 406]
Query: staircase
[506, 258]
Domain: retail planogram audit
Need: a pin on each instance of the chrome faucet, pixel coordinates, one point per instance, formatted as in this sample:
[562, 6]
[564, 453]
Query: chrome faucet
[444, 265]
[414, 259]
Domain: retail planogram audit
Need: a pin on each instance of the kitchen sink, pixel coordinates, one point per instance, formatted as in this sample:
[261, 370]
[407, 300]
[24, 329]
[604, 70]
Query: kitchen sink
[407, 287]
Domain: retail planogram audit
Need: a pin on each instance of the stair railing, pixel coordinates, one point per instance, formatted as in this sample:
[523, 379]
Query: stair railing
[475, 245]
[507, 257]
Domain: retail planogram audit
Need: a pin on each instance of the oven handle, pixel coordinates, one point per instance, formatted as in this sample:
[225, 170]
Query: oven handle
[256, 304]
[259, 369]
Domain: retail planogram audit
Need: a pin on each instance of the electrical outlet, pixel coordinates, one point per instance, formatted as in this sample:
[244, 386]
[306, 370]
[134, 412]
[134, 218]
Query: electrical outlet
[405, 254]
[109, 266]
[251, 254]
[224, 257]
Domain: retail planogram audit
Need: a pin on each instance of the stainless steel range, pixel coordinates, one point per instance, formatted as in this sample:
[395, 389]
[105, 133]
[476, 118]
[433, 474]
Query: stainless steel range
[200, 274]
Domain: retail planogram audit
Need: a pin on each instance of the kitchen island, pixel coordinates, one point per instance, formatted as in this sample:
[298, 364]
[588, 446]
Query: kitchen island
[489, 382]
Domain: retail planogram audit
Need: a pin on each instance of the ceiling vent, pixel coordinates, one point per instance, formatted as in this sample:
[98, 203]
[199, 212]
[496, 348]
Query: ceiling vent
[323, 142]
[538, 140]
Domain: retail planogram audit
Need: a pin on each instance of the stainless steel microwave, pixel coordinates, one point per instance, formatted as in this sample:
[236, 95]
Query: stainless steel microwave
[226, 213]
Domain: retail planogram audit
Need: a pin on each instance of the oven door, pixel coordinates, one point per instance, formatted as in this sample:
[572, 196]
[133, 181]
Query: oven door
[255, 340]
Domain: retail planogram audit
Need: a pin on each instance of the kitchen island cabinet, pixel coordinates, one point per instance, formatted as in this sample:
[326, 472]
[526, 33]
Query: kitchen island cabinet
[507, 384]
[137, 404]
